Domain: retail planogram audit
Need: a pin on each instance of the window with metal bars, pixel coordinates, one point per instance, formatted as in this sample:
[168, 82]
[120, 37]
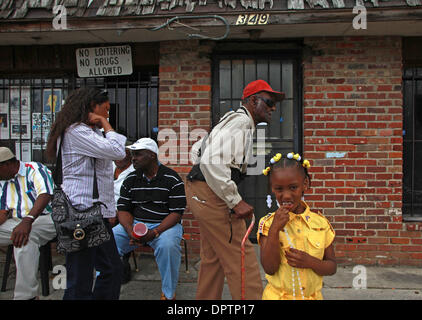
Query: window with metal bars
[28, 108]
[412, 144]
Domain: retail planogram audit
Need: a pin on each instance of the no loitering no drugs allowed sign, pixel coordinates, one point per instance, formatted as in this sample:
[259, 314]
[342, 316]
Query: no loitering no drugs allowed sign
[104, 61]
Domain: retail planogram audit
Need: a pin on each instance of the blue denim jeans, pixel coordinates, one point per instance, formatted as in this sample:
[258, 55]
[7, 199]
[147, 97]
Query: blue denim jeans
[167, 252]
[80, 267]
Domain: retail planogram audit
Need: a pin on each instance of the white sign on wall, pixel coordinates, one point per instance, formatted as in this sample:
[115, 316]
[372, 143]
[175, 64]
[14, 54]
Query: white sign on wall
[104, 61]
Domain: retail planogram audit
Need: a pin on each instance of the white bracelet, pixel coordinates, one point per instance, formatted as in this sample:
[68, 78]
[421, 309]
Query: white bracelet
[30, 216]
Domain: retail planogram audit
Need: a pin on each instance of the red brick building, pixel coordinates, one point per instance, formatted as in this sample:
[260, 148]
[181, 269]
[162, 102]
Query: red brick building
[352, 96]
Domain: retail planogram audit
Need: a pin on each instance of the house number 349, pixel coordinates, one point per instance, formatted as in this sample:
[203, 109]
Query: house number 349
[252, 19]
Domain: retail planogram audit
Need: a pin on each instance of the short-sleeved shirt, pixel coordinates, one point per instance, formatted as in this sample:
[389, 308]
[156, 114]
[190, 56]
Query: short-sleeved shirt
[152, 200]
[310, 232]
[20, 192]
[118, 182]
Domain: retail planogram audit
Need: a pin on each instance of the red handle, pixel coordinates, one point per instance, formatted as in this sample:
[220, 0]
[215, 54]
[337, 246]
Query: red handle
[242, 261]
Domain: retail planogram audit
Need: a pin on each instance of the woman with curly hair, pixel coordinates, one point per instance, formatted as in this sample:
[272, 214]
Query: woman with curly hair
[85, 146]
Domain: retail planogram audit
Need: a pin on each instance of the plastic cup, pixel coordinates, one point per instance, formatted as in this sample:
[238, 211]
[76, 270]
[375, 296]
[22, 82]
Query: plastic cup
[139, 230]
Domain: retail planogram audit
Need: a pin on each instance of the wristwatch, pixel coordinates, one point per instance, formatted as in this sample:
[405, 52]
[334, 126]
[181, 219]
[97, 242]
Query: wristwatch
[157, 234]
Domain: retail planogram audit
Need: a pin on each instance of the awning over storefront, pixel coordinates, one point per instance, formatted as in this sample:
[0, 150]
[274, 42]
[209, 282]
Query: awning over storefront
[106, 21]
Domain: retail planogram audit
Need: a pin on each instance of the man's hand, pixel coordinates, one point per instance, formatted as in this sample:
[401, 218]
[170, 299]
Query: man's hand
[4, 215]
[243, 210]
[146, 238]
[113, 221]
[20, 234]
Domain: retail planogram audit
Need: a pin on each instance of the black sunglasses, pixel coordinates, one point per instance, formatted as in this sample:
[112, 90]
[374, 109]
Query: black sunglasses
[268, 102]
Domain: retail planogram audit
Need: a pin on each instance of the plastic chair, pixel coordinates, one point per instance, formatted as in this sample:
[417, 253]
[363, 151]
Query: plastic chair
[45, 265]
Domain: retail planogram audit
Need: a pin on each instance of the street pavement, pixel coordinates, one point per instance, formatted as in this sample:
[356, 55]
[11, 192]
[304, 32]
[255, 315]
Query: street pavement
[382, 283]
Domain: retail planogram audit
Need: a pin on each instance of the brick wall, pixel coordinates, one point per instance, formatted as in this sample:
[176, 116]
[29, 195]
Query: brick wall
[353, 134]
[185, 105]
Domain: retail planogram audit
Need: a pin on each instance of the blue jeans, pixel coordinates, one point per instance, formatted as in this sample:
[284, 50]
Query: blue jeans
[80, 268]
[167, 252]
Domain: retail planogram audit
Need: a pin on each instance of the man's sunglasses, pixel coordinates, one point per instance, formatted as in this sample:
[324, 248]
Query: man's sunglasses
[268, 102]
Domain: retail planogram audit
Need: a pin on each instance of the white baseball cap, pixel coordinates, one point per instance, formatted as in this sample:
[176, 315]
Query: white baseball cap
[5, 154]
[145, 143]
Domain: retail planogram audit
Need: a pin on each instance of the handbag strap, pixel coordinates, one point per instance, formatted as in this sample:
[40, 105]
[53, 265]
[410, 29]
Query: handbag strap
[95, 185]
[58, 172]
[241, 108]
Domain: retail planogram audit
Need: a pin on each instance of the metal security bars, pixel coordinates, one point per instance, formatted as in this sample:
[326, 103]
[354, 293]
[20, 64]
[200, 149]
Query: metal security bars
[231, 73]
[28, 108]
[412, 144]
[134, 103]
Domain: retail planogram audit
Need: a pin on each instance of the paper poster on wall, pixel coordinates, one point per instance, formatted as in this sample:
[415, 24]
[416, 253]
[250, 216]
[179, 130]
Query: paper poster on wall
[4, 121]
[40, 129]
[20, 130]
[23, 151]
[20, 110]
[52, 101]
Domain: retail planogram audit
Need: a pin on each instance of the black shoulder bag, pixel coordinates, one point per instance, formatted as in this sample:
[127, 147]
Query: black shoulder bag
[76, 229]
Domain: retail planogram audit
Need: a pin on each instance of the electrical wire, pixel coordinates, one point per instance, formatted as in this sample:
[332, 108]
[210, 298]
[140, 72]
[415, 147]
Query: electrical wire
[196, 35]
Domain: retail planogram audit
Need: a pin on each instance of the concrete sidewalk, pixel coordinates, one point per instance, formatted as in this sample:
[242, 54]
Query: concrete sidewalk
[383, 283]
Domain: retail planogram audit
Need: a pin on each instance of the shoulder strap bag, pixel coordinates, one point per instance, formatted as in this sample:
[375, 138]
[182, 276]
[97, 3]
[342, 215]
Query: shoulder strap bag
[196, 173]
[76, 229]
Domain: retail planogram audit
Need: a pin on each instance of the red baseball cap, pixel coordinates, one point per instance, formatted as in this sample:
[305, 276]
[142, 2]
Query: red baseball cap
[258, 86]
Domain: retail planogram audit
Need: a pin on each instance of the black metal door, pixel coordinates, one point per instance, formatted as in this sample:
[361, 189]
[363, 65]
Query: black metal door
[412, 144]
[231, 73]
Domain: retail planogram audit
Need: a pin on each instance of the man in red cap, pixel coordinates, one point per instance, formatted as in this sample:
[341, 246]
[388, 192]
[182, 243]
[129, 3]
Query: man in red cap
[214, 200]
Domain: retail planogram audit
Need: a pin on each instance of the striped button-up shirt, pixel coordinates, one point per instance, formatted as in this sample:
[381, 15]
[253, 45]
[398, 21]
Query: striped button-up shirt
[80, 145]
[19, 194]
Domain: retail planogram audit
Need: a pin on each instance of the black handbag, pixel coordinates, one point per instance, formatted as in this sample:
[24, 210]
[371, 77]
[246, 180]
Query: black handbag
[76, 229]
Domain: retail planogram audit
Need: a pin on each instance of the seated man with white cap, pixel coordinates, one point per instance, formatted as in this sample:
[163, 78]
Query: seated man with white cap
[25, 217]
[155, 195]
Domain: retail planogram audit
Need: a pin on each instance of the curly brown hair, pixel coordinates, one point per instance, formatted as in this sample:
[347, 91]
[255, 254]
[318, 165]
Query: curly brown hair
[78, 105]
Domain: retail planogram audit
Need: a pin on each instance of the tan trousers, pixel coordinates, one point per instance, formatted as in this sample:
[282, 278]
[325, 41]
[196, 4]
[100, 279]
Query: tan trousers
[219, 258]
[27, 257]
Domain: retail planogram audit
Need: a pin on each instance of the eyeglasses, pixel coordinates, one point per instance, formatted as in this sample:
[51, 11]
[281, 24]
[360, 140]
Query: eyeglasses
[268, 102]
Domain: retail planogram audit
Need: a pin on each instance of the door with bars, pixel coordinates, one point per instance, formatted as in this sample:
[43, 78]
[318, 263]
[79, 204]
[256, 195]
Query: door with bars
[231, 73]
[28, 108]
[412, 144]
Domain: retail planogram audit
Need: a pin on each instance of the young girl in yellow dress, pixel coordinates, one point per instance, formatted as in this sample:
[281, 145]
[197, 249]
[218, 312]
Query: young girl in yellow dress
[296, 244]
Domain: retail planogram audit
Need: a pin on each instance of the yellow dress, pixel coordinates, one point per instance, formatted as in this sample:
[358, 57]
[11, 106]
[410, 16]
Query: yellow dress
[310, 232]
